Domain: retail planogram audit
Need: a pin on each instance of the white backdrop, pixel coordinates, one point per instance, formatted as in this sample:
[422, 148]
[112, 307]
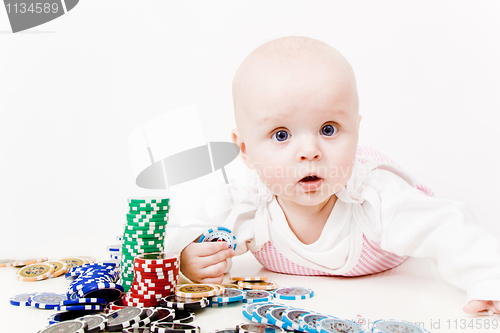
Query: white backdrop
[72, 90]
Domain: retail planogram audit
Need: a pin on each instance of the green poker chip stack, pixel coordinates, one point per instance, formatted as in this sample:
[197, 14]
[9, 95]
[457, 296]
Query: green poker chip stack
[144, 232]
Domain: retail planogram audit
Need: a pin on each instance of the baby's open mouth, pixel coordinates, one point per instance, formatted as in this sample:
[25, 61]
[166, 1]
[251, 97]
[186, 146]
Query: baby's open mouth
[309, 179]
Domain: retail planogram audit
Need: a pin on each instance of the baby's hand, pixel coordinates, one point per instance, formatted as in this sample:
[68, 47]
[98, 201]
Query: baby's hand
[489, 307]
[205, 262]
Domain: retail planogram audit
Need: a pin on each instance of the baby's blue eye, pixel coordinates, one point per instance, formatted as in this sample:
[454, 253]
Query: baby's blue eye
[329, 130]
[281, 136]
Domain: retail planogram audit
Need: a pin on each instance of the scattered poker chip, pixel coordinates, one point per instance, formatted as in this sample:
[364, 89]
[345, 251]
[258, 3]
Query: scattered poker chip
[60, 267]
[224, 330]
[21, 263]
[258, 328]
[334, 325]
[125, 317]
[151, 316]
[293, 293]
[106, 290]
[229, 295]
[248, 311]
[70, 326]
[165, 314]
[249, 278]
[73, 261]
[258, 285]
[291, 317]
[46, 300]
[219, 234]
[260, 311]
[21, 299]
[95, 322]
[101, 301]
[116, 305]
[7, 262]
[35, 272]
[391, 325]
[212, 304]
[65, 316]
[181, 303]
[82, 307]
[252, 296]
[275, 317]
[181, 317]
[196, 290]
[307, 321]
[232, 285]
[174, 328]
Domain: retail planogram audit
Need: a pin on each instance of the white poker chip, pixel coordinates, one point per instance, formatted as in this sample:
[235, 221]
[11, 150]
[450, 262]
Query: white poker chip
[219, 234]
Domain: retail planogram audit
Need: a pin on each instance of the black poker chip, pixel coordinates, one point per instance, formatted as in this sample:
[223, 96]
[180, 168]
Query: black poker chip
[174, 328]
[180, 317]
[182, 303]
[70, 326]
[124, 318]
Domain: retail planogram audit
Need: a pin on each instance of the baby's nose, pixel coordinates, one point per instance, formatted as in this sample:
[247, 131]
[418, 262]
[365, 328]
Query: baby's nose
[310, 152]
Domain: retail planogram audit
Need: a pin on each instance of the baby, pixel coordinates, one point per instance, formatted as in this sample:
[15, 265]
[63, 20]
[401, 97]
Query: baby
[321, 205]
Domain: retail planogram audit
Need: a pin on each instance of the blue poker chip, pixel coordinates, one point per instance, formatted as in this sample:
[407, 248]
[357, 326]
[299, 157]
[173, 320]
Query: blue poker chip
[219, 234]
[21, 299]
[307, 321]
[391, 325]
[252, 296]
[248, 311]
[83, 307]
[77, 301]
[260, 311]
[291, 317]
[47, 300]
[275, 317]
[293, 293]
[106, 290]
[335, 325]
[229, 295]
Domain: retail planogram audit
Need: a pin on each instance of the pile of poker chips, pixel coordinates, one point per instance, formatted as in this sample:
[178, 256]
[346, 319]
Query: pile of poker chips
[144, 232]
[37, 269]
[93, 281]
[155, 276]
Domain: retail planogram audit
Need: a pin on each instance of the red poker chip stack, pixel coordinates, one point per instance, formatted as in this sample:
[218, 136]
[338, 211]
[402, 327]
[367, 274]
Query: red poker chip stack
[155, 276]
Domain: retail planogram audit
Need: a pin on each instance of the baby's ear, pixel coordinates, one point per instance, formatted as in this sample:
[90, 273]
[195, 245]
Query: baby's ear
[238, 140]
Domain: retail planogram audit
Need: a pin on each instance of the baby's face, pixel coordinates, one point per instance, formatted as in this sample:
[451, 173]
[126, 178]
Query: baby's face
[298, 128]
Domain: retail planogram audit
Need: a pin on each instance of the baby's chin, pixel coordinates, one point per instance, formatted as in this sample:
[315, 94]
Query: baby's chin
[309, 199]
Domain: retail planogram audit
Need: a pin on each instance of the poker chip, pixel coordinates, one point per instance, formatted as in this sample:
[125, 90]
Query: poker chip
[229, 295]
[391, 325]
[35, 272]
[260, 311]
[258, 328]
[21, 263]
[125, 317]
[46, 300]
[307, 321]
[136, 330]
[252, 296]
[180, 316]
[224, 330]
[196, 290]
[67, 315]
[174, 328]
[165, 314]
[291, 318]
[219, 234]
[21, 299]
[83, 307]
[7, 262]
[181, 303]
[101, 301]
[335, 325]
[232, 285]
[70, 326]
[258, 285]
[212, 304]
[95, 322]
[249, 278]
[293, 293]
[116, 305]
[73, 261]
[60, 267]
[151, 316]
[106, 290]
[248, 311]
[275, 317]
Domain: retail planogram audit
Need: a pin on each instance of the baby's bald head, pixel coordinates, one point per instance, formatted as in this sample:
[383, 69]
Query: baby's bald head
[291, 58]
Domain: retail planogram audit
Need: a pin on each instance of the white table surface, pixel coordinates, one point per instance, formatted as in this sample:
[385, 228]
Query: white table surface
[414, 291]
